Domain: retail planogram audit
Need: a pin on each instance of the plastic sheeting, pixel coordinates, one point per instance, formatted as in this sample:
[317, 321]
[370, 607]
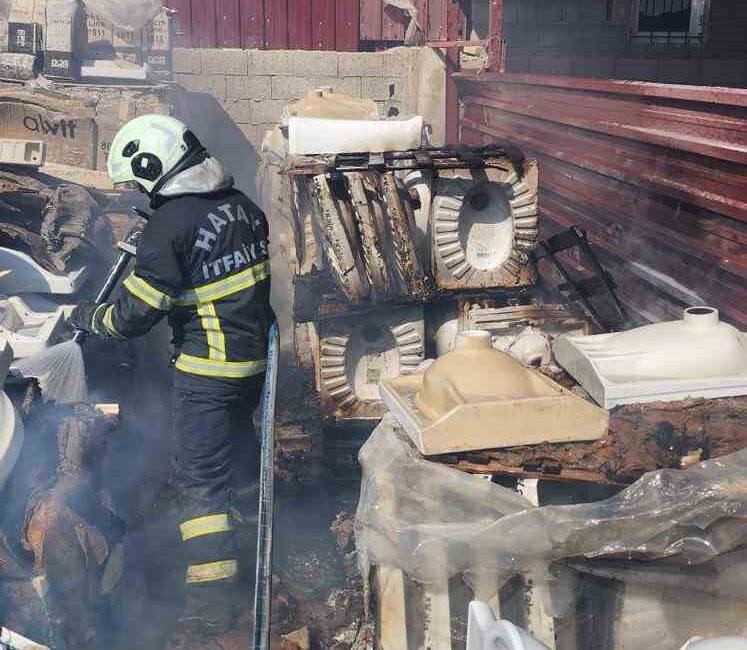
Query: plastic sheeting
[61, 373]
[430, 520]
[132, 14]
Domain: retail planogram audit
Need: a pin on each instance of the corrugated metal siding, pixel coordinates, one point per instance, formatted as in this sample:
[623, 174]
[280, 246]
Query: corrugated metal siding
[342, 25]
[657, 174]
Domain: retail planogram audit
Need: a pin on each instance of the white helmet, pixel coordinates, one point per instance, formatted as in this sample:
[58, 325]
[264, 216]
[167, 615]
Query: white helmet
[149, 150]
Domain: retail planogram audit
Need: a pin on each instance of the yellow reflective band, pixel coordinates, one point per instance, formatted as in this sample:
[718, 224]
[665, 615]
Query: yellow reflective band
[212, 368]
[222, 288]
[108, 325]
[147, 293]
[208, 525]
[211, 324]
[212, 571]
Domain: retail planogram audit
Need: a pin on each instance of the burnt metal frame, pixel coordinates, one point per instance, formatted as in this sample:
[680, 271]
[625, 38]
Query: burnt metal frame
[600, 281]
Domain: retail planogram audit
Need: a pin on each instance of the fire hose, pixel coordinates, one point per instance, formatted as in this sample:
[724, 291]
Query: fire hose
[128, 249]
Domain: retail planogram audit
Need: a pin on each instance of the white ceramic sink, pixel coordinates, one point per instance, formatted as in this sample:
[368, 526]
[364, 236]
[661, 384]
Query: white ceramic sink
[698, 356]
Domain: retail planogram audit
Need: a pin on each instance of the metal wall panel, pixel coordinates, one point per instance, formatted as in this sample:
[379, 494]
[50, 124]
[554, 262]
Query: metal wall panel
[182, 22]
[323, 24]
[228, 24]
[276, 25]
[348, 25]
[204, 32]
[252, 24]
[656, 174]
[299, 25]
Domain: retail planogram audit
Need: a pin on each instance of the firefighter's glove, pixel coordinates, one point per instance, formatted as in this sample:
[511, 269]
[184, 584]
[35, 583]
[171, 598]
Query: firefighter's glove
[87, 317]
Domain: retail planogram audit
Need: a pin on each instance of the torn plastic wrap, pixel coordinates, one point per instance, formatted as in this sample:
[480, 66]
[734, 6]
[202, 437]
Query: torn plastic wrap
[413, 510]
[130, 14]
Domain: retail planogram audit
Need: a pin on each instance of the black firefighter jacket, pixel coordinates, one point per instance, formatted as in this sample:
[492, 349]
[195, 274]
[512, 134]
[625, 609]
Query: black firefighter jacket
[203, 261]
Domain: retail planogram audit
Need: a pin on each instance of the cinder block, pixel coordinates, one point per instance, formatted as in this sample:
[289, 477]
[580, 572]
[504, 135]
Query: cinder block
[384, 89]
[360, 64]
[239, 111]
[233, 62]
[292, 88]
[400, 61]
[268, 111]
[210, 84]
[248, 87]
[292, 63]
[255, 133]
[187, 61]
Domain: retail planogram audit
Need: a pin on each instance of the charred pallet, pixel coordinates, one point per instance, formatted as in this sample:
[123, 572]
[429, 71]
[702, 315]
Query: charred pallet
[641, 438]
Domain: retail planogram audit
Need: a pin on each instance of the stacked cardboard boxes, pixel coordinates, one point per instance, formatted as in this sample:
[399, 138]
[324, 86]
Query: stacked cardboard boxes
[62, 35]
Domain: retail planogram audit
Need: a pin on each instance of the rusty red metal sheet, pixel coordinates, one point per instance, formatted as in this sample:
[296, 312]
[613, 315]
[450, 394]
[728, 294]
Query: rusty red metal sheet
[657, 176]
[228, 25]
[704, 182]
[705, 94]
[299, 25]
[437, 20]
[252, 24]
[204, 33]
[347, 21]
[276, 25]
[370, 20]
[323, 24]
[719, 136]
[391, 29]
[182, 22]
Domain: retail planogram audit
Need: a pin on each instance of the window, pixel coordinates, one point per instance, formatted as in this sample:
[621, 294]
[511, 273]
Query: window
[678, 22]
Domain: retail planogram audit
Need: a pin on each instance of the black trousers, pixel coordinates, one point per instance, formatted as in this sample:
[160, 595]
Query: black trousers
[217, 455]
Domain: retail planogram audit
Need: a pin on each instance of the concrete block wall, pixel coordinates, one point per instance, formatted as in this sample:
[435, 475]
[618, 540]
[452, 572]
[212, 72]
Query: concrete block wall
[253, 86]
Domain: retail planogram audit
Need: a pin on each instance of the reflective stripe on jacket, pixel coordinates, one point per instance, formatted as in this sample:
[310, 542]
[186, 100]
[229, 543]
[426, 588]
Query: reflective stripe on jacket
[203, 261]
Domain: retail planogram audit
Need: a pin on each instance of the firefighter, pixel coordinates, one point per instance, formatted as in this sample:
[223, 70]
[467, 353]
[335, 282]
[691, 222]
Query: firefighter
[202, 262]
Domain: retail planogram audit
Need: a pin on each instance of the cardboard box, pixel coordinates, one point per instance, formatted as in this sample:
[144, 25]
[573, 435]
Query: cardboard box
[25, 19]
[70, 139]
[62, 65]
[126, 38]
[64, 39]
[24, 38]
[157, 45]
[132, 54]
[157, 33]
[100, 33]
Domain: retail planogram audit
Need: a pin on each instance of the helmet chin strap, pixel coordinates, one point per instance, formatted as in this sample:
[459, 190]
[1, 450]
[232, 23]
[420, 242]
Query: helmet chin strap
[193, 157]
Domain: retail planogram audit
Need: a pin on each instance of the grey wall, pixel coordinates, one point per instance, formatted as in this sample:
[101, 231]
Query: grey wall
[590, 38]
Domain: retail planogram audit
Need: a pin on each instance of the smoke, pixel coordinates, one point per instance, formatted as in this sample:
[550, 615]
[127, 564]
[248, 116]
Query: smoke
[60, 371]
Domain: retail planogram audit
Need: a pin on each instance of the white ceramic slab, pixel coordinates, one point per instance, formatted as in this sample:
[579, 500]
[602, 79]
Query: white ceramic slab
[311, 135]
[26, 276]
[11, 426]
[698, 356]
[28, 331]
